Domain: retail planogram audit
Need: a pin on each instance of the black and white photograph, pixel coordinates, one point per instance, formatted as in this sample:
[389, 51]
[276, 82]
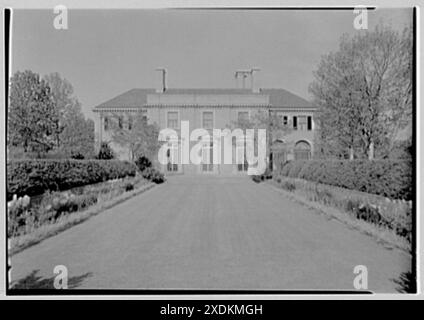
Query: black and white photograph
[225, 150]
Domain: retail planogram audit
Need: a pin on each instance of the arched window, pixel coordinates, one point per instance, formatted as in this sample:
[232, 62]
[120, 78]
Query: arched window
[302, 150]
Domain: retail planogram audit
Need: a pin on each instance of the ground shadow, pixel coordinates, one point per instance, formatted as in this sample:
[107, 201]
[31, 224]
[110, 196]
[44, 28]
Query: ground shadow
[406, 282]
[34, 281]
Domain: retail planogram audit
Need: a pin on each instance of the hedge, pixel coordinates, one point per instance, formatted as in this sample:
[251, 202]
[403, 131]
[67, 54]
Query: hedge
[388, 178]
[34, 177]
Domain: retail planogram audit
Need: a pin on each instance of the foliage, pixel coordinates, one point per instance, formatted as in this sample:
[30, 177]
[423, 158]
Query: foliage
[105, 152]
[18, 213]
[61, 92]
[395, 215]
[389, 178]
[136, 134]
[402, 149]
[44, 117]
[24, 218]
[75, 134]
[289, 186]
[153, 175]
[33, 177]
[364, 94]
[31, 118]
[143, 162]
[265, 176]
[77, 137]
[60, 203]
[257, 178]
[129, 187]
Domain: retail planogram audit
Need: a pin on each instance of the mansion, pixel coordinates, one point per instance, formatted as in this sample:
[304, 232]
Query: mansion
[208, 109]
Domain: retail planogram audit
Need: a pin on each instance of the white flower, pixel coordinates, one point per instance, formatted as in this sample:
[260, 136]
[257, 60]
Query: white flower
[26, 200]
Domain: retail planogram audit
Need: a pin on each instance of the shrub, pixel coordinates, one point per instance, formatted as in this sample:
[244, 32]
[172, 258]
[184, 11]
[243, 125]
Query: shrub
[23, 219]
[367, 212]
[153, 175]
[143, 163]
[34, 177]
[395, 215]
[129, 186]
[256, 178]
[77, 156]
[323, 195]
[18, 212]
[105, 152]
[67, 203]
[388, 178]
[289, 186]
[265, 176]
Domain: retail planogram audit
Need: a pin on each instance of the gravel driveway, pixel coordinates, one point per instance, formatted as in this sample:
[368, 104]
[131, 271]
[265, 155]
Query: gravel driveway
[211, 232]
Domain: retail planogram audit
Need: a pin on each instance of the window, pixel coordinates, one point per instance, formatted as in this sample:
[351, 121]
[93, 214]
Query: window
[302, 123]
[130, 122]
[294, 122]
[243, 116]
[120, 122]
[285, 120]
[207, 120]
[172, 167]
[173, 119]
[309, 123]
[106, 123]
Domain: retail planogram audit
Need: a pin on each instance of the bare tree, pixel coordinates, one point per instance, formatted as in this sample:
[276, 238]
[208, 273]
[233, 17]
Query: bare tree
[364, 91]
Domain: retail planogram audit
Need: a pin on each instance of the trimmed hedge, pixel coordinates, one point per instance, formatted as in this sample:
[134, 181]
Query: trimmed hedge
[34, 177]
[388, 178]
[153, 175]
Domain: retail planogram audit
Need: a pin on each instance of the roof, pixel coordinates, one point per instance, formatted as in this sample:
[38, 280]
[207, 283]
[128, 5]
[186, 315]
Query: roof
[138, 97]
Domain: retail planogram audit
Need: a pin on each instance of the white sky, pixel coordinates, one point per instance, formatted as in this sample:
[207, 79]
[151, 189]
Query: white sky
[107, 52]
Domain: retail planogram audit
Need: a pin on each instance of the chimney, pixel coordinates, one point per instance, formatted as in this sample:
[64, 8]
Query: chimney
[243, 74]
[254, 85]
[162, 81]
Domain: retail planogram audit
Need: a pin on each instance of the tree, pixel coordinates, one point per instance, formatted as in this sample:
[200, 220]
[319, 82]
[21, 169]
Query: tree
[140, 137]
[105, 152]
[77, 137]
[364, 93]
[66, 105]
[31, 116]
[74, 135]
[143, 163]
[336, 98]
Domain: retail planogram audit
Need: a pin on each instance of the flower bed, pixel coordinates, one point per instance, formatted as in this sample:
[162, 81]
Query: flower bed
[24, 216]
[395, 215]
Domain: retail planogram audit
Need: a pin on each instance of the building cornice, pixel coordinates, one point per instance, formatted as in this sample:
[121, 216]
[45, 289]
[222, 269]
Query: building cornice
[119, 109]
[161, 106]
[165, 106]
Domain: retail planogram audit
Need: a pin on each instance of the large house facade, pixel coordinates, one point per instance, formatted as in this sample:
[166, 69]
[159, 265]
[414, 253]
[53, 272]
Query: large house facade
[209, 109]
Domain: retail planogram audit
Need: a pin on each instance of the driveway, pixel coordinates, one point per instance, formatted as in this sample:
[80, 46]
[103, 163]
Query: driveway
[210, 233]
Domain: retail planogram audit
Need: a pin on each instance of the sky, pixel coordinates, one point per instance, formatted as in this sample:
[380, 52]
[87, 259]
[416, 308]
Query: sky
[104, 53]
